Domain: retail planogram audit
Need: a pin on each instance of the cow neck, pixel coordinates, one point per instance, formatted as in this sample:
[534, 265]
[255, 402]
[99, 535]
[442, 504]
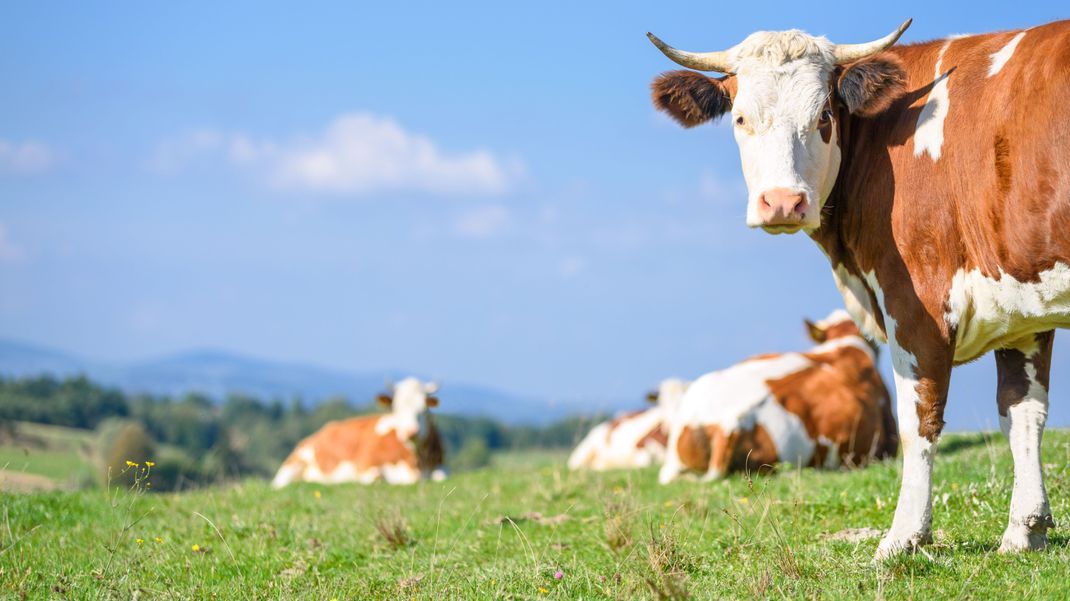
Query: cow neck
[830, 235]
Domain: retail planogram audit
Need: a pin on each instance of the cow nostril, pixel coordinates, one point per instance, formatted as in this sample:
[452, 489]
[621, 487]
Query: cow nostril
[800, 205]
[764, 202]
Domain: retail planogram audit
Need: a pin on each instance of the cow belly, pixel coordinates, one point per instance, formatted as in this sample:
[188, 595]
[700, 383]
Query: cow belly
[991, 313]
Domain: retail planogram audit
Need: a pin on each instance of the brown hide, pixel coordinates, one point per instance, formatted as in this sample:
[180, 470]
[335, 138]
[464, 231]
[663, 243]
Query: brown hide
[998, 198]
[356, 440]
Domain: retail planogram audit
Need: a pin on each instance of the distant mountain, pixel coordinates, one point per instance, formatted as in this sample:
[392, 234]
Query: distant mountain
[217, 373]
[18, 358]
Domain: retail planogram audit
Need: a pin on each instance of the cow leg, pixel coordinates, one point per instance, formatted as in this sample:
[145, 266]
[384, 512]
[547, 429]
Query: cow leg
[671, 469]
[1022, 396]
[921, 393]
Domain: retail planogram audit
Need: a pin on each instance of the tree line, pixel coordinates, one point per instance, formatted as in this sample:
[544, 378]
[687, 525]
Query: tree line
[193, 439]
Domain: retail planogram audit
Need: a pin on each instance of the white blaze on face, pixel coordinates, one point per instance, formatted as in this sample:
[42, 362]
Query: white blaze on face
[408, 402]
[783, 88]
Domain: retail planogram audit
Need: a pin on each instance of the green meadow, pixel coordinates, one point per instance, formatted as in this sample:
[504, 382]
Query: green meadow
[526, 528]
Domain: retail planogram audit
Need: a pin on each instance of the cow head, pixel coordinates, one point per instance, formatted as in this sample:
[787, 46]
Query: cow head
[410, 396]
[837, 325]
[787, 93]
[667, 396]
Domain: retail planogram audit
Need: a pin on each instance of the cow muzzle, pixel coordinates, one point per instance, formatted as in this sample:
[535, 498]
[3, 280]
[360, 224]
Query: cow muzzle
[781, 210]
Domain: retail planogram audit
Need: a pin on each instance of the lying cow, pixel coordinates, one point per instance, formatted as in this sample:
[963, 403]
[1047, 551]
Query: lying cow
[827, 407]
[936, 179]
[632, 440]
[399, 447]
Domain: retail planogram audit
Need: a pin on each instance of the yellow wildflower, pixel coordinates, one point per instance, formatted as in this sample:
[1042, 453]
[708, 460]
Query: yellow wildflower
[543, 590]
[196, 548]
[744, 500]
[316, 494]
[158, 539]
[668, 504]
[130, 463]
[140, 541]
[150, 463]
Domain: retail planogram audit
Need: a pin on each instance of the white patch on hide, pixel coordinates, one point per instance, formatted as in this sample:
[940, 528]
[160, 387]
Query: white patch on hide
[929, 131]
[1005, 313]
[1000, 57]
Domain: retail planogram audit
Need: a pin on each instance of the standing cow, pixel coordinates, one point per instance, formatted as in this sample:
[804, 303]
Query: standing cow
[398, 447]
[632, 440]
[827, 407]
[936, 179]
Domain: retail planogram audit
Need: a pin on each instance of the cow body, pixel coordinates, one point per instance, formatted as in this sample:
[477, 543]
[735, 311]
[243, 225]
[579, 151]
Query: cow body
[827, 407]
[400, 447]
[948, 231]
[951, 232]
[632, 440]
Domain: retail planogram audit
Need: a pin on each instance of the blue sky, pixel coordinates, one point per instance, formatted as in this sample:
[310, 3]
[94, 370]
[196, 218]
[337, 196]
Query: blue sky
[475, 191]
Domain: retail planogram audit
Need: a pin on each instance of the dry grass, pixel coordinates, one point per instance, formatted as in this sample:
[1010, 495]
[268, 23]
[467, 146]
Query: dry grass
[393, 529]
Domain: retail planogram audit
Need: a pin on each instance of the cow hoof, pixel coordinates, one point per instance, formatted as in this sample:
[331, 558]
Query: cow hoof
[1017, 539]
[1030, 535]
[893, 545]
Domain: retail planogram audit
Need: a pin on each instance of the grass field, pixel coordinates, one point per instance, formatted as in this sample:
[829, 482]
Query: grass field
[528, 529]
[62, 455]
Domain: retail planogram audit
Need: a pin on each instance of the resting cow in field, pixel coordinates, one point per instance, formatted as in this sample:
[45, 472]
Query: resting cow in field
[399, 447]
[827, 407]
[936, 179]
[632, 440]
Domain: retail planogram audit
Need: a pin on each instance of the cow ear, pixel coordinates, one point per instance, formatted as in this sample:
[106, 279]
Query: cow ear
[652, 396]
[691, 98]
[432, 401]
[816, 332]
[384, 399]
[871, 85]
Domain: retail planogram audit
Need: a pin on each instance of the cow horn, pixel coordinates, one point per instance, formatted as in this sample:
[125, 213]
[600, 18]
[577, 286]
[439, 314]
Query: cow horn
[846, 53]
[701, 61]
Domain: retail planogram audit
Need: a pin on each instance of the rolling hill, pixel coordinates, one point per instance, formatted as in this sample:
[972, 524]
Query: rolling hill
[217, 373]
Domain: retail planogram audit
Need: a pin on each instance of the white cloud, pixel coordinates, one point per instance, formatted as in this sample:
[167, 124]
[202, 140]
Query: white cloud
[356, 154]
[482, 222]
[25, 157]
[10, 252]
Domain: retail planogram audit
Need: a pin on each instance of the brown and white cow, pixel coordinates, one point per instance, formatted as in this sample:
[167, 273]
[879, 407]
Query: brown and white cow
[632, 440]
[399, 447]
[936, 178]
[827, 407]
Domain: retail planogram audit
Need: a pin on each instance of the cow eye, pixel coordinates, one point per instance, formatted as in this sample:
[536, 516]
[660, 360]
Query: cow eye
[826, 116]
[739, 120]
